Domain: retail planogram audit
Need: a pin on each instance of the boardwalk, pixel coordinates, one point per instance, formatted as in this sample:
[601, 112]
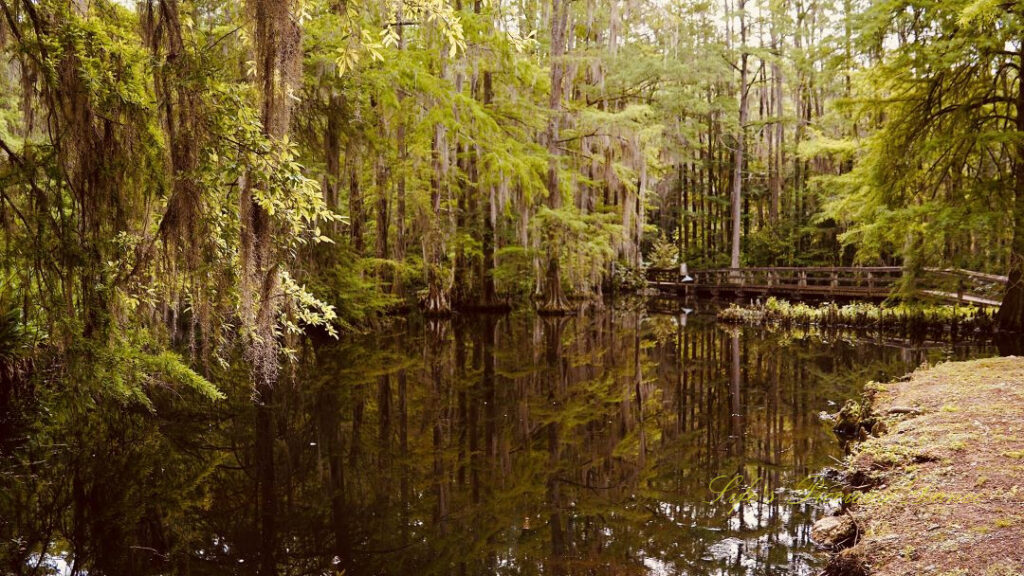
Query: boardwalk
[855, 282]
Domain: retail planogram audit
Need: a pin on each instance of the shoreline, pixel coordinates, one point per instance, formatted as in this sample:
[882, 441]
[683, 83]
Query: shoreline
[940, 476]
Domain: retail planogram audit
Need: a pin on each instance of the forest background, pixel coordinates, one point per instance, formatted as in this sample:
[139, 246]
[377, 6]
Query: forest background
[183, 182]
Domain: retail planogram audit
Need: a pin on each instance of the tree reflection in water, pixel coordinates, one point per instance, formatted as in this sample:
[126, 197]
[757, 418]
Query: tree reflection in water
[483, 445]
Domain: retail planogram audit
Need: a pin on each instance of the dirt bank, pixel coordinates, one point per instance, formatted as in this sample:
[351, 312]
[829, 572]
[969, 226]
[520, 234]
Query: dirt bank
[946, 475]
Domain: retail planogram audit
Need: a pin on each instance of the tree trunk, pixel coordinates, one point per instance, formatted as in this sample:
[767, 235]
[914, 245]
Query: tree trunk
[741, 144]
[382, 211]
[400, 240]
[554, 300]
[278, 51]
[462, 286]
[438, 301]
[1011, 313]
[488, 296]
[332, 152]
[382, 177]
[278, 40]
[778, 141]
[355, 198]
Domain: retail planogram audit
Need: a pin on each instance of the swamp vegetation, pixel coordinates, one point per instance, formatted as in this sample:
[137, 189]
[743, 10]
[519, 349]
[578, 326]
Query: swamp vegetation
[944, 322]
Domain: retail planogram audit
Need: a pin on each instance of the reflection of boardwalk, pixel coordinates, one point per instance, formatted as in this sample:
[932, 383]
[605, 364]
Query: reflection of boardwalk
[855, 282]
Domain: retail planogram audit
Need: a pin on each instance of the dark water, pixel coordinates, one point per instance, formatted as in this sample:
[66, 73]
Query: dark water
[510, 445]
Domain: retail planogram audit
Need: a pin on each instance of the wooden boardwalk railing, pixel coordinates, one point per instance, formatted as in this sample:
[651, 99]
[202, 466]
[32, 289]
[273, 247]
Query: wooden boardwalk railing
[853, 282]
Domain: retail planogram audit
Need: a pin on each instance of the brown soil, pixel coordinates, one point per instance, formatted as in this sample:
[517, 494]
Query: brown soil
[948, 482]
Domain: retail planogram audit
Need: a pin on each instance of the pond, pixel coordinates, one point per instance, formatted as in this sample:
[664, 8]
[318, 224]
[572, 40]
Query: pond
[479, 445]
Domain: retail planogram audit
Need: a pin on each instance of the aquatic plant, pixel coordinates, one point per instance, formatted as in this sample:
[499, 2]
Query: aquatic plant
[901, 318]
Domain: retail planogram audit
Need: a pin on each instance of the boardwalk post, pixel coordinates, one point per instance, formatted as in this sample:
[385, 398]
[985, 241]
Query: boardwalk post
[736, 276]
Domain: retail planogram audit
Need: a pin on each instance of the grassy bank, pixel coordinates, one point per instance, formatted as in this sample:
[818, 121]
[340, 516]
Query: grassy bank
[933, 320]
[944, 478]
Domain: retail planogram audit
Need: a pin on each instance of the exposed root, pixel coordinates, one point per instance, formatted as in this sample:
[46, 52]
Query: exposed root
[846, 563]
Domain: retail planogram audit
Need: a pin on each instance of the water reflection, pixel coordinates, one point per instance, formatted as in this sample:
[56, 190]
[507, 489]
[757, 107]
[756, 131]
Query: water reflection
[483, 445]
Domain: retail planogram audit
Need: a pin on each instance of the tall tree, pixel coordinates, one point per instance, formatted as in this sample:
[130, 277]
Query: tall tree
[553, 299]
[739, 155]
[949, 153]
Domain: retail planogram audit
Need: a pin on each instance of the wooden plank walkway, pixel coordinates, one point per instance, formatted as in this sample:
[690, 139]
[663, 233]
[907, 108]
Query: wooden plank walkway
[875, 283]
[963, 298]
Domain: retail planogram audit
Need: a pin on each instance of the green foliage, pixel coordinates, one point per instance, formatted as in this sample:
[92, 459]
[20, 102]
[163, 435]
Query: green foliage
[664, 253]
[354, 295]
[514, 273]
[169, 369]
[938, 168]
[422, 139]
[131, 368]
[17, 340]
[629, 279]
[582, 242]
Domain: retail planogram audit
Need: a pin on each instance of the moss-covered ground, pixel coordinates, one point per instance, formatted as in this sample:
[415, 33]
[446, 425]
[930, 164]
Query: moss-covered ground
[945, 482]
